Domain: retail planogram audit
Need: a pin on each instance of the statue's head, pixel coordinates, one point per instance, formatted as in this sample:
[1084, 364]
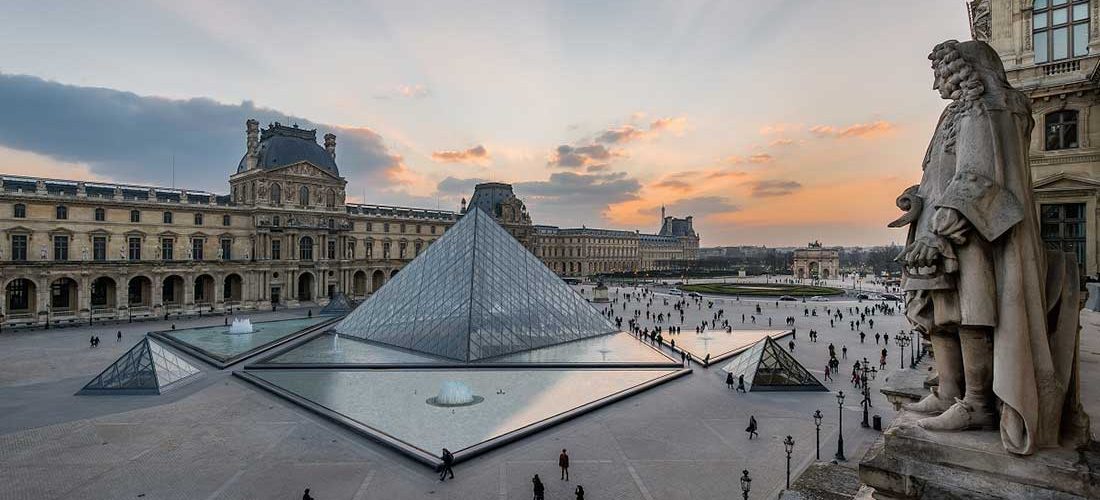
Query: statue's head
[965, 70]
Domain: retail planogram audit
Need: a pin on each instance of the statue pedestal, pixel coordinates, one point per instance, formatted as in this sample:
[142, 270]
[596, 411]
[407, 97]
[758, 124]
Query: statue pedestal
[908, 462]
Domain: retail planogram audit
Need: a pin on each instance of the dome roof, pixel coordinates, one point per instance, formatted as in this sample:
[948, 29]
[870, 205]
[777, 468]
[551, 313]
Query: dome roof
[281, 146]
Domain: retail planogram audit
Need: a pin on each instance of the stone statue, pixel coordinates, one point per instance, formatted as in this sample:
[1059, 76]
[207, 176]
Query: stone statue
[121, 254]
[156, 251]
[190, 253]
[84, 253]
[1000, 310]
[42, 252]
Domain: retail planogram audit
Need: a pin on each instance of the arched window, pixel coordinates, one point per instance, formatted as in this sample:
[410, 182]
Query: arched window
[1060, 29]
[167, 217]
[99, 215]
[252, 191]
[305, 248]
[330, 198]
[61, 213]
[1060, 130]
[276, 194]
[303, 196]
[20, 211]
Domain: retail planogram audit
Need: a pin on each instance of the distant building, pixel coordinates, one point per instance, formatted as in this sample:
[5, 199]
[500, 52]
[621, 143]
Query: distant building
[498, 200]
[1051, 52]
[816, 262]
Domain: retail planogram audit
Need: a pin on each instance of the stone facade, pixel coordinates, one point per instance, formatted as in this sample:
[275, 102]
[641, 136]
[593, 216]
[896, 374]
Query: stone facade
[1057, 64]
[816, 262]
[586, 251]
[86, 251]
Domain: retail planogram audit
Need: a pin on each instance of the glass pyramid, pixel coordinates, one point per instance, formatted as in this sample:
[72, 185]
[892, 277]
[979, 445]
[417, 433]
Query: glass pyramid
[767, 367]
[339, 305]
[147, 368]
[475, 293]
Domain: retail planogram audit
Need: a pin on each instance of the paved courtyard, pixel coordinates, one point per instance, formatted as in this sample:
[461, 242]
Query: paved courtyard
[218, 437]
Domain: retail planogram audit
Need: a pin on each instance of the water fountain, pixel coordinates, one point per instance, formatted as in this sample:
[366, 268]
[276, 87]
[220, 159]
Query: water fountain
[241, 326]
[454, 393]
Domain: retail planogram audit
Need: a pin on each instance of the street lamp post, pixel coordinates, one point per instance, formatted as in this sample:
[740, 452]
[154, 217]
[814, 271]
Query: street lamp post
[817, 425]
[901, 340]
[915, 342]
[866, 402]
[788, 446]
[840, 427]
[746, 483]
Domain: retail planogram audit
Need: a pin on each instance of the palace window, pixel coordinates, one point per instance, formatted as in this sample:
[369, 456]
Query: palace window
[167, 217]
[418, 229]
[417, 248]
[367, 227]
[433, 229]
[19, 247]
[166, 246]
[1063, 228]
[227, 248]
[276, 220]
[303, 196]
[19, 296]
[61, 213]
[196, 248]
[1060, 29]
[198, 219]
[19, 211]
[226, 220]
[402, 228]
[99, 215]
[276, 249]
[331, 249]
[305, 248]
[1060, 130]
[99, 248]
[135, 248]
[60, 248]
[385, 227]
[330, 199]
[135, 216]
[276, 194]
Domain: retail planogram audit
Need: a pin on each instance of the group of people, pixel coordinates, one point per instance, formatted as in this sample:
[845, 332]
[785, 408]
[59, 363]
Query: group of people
[93, 342]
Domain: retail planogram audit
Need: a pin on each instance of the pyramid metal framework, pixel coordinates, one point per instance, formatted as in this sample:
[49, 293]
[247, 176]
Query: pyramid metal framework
[767, 367]
[475, 293]
[147, 368]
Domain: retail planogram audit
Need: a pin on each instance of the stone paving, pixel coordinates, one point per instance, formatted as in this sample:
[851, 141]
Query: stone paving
[221, 438]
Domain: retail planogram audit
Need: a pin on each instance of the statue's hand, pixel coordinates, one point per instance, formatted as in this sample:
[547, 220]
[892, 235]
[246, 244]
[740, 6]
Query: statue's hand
[950, 224]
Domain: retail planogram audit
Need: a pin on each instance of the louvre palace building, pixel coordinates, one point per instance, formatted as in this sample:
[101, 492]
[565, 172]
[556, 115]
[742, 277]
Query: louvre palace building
[284, 236]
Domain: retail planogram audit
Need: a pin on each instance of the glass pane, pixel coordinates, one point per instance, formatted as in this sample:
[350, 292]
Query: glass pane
[1041, 46]
[1050, 231]
[1081, 40]
[1075, 230]
[1060, 16]
[1040, 4]
[1039, 21]
[1081, 11]
[1058, 2]
[1075, 211]
[1060, 42]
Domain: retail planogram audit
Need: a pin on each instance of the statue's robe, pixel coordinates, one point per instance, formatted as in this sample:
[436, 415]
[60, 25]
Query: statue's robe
[1001, 277]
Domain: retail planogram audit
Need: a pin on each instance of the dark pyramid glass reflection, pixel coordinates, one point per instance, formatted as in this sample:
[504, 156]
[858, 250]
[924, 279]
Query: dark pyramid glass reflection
[475, 293]
[767, 367]
[147, 368]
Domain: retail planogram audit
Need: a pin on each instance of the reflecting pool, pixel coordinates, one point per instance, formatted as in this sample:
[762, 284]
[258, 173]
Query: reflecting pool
[218, 342]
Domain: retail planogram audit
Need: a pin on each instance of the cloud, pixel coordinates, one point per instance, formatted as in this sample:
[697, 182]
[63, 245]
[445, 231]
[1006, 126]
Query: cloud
[592, 155]
[570, 198]
[133, 138]
[703, 206]
[757, 159]
[781, 143]
[674, 184]
[628, 133]
[865, 130]
[477, 155]
[405, 91]
[770, 188]
[453, 186]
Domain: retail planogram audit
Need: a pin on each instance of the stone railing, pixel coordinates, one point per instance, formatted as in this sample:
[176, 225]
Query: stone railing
[1061, 67]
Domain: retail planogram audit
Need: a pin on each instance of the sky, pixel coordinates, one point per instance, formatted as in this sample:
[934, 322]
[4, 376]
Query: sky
[773, 122]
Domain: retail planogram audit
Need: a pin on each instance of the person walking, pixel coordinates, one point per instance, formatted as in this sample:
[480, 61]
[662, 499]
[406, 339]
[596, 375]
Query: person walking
[118, 338]
[579, 492]
[751, 429]
[729, 381]
[828, 371]
[305, 496]
[448, 463]
[539, 489]
[791, 345]
[741, 384]
[563, 462]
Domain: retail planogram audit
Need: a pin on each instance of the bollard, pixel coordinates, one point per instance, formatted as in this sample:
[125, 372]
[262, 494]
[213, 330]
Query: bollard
[876, 423]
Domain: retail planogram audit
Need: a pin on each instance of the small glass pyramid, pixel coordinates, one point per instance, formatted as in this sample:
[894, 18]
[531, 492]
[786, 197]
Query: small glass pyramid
[767, 367]
[147, 368]
[475, 293]
[339, 305]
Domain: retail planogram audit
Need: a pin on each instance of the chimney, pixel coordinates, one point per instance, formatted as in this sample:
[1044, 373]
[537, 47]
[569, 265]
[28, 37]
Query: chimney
[330, 145]
[252, 142]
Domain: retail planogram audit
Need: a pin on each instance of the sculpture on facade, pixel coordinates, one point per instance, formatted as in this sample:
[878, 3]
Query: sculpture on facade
[1000, 309]
[84, 253]
[42, 252]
